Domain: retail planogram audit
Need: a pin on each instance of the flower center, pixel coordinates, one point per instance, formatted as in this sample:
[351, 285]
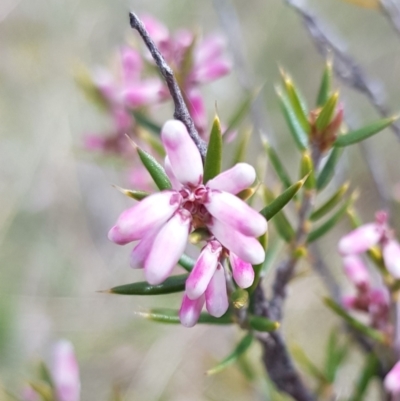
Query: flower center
[193, 199]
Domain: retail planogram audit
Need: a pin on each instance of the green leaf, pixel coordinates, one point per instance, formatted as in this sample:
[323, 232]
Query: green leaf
[44, 374]
[307, 169]
[240, 349]
[155, 169]
[370, 332]
[146, 122]
[325, 87]
[241, 111]
[239, 155]
[330, 223]
[297, 131]
[364, 132]
[326, 114]
[328, 170]
[260, 323]
[280, 221]
[330, 203]
[370, 370]
[164, 315]
[186, 262]
[297, 102]
[43, 389]
[308, 365]
[170, 285]
[282, 200]
[335, 355]
[213, 161]
[131, 193]
[276, 163]
[239, 298]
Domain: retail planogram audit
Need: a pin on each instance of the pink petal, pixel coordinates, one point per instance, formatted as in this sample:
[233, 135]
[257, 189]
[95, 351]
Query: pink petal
[197, 110]
[65, 372]
[131, 64]
[211, 71]
[157, 31]
[234, 180]
[246, 248]
[391, 256]
[216, 295]
[232, 211]
[356, 271]
[203, 270]
[122, 119]
[168, 246]
[392, 380]
[190, 310]
[29, 394]
[142, 249]
[349, 301]
[168, 169]
[209, 49]
[94, 142]
[148, 214]
[360, 239]
[143, 93]
[243, 272]
[183, 154]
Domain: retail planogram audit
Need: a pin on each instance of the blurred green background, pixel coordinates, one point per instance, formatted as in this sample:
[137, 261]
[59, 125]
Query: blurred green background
[57, 204]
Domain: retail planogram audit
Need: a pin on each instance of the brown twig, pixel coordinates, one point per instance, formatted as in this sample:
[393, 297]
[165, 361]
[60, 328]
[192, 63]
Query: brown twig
[181, 111]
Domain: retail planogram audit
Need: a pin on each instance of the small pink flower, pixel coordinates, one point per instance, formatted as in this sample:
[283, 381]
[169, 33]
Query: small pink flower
[65, 372]
[356, 272]
[361, 239]
[190, 310]
[391, 257]
[392, 380]
[243, 272]
[216, 295]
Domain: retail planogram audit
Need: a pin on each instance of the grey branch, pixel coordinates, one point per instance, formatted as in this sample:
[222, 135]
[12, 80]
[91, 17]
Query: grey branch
[344, 66]
[392, 10]
[181, 111]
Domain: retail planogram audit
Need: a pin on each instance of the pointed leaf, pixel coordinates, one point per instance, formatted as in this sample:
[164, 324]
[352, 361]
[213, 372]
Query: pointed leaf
[330, 203]
[170, 285]
[308, 365]
[297, 102]
[335, 355]
[44, 374]
[155, 169]
[307, 169]
[364, 132]
[43, 389]
[240, 349]
[164, 315]
[371, 369]
[186, 262]
[328, 170]
[325, 87]
[280, 201]
[276, 163]
[260, 323]
[374, 334]
[131, 193]
[326, 114]
[241, 148]
[213, 161]
[330, 223]
[145, 122]
[295, 128]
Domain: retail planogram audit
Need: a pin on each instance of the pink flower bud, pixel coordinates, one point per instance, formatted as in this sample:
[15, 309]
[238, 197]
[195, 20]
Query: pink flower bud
[209, 49]
[142, 93]
[65, 372]
[216, 295]
[356, 271]
[131, 64]
[183, 154]
[190, 310]
[197, 110]
[349, 301]
[203, 270]
[211, 71]
[234, 180]
[391, 256]
[392, 380]
[360, 239]
[243, 272]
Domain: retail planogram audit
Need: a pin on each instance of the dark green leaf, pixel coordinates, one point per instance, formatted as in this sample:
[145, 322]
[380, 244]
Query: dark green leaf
[213, 161]
[170, 285]
[325, 87]
[260, 323]
[155, 169]
[326, 114]
[240, 349]
[295, 128]
[328, 170]
[363, 133]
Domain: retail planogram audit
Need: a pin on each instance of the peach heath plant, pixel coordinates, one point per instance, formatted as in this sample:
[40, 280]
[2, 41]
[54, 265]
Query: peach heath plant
[199, 202]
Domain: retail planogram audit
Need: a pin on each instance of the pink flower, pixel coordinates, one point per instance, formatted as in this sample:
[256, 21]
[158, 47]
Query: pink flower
[356, 272]
[391, 257]
[65, 372]
[392, 380]
[361, 239]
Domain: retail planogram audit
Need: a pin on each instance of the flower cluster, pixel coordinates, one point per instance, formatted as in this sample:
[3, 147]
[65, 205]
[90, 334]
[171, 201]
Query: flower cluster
[163, 221]
[64, 375]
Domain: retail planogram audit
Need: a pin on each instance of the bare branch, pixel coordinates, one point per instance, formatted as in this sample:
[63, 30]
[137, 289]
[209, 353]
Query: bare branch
[344, 66]
[181, 111]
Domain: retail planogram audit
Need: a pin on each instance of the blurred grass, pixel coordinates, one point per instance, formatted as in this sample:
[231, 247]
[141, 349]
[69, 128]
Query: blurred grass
[57, 206]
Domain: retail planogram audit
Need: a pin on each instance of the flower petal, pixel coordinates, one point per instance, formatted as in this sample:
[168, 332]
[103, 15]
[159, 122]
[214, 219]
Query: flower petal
[210, 48]
[190, 310]
[197, 110]
[243, 272]
[232, 211]
[203, 270]
[234, 180]
[391, 256]
[183, 154]
[143, 93]
[131, 63]
[392, 380]
[168, 246]
[211, 71]
[65, 372]
[356, 271]
[216, 295]
[246, 248]
[148, 214]
[360, 239]
[142, 249]
[168, 169]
